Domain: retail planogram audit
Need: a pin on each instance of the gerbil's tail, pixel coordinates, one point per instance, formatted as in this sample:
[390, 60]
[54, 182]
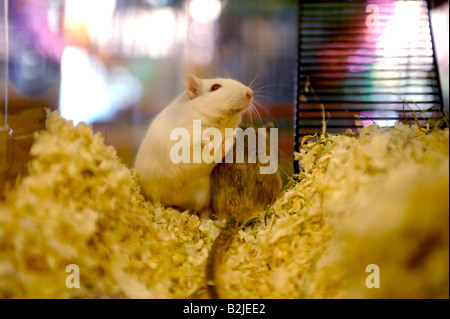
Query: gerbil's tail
[216, 255]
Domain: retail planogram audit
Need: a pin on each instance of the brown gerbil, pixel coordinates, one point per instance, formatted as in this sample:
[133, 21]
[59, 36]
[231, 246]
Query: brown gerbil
[238, 191]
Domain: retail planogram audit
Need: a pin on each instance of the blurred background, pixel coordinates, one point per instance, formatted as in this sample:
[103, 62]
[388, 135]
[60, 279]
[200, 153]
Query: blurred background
[371, 61]
[115, 64]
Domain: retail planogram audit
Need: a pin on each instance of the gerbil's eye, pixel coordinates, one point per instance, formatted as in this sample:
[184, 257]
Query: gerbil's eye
[215, 87]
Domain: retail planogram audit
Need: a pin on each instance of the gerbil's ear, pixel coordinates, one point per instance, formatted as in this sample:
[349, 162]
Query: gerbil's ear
[193, 85]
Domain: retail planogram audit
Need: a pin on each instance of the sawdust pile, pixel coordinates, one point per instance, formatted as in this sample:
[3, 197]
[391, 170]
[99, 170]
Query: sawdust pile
[379, 198]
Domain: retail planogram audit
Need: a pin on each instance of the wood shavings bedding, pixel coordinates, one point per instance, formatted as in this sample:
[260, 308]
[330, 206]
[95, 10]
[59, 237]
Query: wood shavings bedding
[378, 198]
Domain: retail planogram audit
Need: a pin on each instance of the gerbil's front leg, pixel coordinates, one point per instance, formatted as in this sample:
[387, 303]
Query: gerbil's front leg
[205, 213]
[227, 144]
[200, 194]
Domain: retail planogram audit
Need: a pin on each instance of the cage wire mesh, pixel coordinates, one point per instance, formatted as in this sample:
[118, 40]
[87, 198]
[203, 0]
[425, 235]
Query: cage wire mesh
[364, 62]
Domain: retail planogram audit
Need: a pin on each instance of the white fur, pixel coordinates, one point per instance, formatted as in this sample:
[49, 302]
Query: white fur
[187, 185]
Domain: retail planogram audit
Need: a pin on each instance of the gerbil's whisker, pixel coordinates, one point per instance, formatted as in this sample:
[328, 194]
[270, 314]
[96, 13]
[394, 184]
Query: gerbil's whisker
[259, 73]
[254, 111]
[250, 119]
[260, 96]
[253, 115]
[264, 109]
[256, 89]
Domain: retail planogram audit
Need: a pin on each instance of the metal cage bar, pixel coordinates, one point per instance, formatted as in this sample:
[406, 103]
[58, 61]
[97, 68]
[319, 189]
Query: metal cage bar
[364, 62]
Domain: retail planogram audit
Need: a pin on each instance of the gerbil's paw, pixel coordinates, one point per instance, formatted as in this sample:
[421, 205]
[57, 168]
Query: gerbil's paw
[227, 144]
[205, 213]
[207, 144]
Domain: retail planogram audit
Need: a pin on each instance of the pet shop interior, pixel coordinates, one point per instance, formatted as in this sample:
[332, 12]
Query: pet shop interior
[357, 91]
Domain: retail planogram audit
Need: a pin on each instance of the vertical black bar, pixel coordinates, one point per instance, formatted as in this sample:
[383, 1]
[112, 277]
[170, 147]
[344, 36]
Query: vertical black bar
[438, 79]
[298, 91]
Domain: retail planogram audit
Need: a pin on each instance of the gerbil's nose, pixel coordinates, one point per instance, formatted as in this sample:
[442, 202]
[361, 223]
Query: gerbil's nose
[249, 94]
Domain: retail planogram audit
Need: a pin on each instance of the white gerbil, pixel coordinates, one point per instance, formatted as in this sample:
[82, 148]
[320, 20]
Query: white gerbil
[218, 103]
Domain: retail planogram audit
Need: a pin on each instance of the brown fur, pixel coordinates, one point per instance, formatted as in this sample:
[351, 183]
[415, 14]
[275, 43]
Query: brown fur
[238, 191]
